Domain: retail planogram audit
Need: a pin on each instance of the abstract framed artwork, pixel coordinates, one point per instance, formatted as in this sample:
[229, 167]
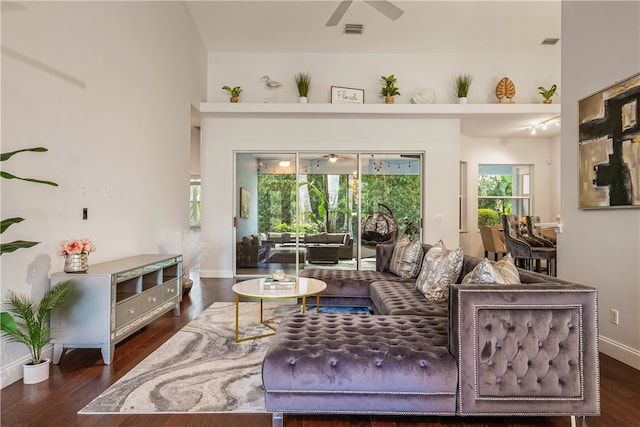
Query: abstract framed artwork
[244, 203]
[609, 147]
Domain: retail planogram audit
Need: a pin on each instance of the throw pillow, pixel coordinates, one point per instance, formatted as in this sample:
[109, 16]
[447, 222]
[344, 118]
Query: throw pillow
[503, 272]
[440, 268]
[406, 257]
[484, 272]
[506, 267]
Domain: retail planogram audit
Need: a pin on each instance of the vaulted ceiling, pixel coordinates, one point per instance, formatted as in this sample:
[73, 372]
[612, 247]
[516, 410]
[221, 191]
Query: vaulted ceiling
[425, 26]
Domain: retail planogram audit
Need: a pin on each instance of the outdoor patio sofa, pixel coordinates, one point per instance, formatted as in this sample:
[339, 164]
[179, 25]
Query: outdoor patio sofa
[528, 349]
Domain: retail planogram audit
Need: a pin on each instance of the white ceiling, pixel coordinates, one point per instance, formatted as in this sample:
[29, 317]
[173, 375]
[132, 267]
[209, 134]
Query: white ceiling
[447, 26]
[426, 26]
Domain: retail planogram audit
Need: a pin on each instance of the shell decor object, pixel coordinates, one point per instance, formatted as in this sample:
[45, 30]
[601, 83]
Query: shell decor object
[505, 89]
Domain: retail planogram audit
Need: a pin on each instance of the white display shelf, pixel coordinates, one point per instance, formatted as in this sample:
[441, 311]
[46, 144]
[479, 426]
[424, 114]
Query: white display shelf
[435, 110]
[476, 120]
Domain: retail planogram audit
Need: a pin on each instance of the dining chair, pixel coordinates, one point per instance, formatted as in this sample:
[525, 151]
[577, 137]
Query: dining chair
[521, 248]
[492, 242]
[533, 231]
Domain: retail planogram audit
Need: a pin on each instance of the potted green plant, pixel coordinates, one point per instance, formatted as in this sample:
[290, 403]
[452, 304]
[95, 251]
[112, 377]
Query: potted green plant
[303, 81]
[27, 322]
[463, 82]
[547, 93]
[389, 90]
[234, 92]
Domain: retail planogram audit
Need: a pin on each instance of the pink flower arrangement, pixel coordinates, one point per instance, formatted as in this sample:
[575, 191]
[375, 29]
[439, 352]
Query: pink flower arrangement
[68, 247]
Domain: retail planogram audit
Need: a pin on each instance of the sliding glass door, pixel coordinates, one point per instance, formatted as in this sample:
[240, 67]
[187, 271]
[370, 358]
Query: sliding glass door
[322, 210]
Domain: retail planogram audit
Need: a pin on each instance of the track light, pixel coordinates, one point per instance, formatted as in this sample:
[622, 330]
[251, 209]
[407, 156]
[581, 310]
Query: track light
[544, 125]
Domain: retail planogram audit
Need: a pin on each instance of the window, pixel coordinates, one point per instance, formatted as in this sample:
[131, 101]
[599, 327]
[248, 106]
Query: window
[503, 189]
[195, 202]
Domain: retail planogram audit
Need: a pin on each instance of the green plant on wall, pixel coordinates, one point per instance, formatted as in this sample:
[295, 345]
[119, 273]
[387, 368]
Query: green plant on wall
[6, 223]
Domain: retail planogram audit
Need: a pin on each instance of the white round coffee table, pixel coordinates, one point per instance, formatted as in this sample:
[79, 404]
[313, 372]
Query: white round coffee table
[262, 290]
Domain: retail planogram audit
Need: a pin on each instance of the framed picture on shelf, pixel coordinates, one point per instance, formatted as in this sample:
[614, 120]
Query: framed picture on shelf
[608, 151]
[346, 95]
[244, 203]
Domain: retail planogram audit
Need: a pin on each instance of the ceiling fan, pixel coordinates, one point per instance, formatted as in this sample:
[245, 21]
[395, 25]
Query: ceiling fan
[385, 7]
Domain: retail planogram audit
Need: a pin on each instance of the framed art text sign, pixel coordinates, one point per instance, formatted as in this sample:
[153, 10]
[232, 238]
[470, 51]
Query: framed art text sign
[346, 95]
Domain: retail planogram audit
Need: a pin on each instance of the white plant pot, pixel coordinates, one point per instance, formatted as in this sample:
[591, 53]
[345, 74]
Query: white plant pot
[33, 374]
[302, 100]
[462, 100]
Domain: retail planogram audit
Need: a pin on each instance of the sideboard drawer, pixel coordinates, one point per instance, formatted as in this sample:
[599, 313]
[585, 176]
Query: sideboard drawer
[171, 289]
[128, 310]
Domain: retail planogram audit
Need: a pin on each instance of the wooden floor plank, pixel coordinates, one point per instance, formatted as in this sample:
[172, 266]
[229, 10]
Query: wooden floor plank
[81, 376]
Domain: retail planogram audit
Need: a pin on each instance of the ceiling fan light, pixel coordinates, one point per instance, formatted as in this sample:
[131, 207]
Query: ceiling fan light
[333, 158]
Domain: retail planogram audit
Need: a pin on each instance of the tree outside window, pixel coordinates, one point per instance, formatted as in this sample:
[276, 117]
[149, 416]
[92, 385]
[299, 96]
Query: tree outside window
[503, 190]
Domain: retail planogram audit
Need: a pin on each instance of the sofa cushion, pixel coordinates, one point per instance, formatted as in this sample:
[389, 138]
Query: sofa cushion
[256, 239]
[315, 238]
[338, 363]
[406, 259]
[397, 298]
[338, 238]
[503, 272]
[440, 268]
[246, 240]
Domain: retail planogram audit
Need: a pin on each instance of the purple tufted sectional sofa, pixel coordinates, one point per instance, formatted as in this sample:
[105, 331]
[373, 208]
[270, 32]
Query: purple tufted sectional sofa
[503, 350]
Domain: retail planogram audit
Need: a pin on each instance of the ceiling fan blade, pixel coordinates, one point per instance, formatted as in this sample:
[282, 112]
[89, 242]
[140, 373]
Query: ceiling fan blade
[387, 8]
[339, 13]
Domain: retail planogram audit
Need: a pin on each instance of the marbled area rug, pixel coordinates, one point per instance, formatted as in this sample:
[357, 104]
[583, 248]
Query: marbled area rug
[201, 368]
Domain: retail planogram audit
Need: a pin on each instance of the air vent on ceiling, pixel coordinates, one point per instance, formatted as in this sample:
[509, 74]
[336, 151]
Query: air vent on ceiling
[550, 42]
[353, 28]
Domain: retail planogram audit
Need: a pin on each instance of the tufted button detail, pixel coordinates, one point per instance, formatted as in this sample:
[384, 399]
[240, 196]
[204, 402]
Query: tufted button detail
[570, 325]
[539, 343]
[509, 364]
[378, 362]
[292, 361]
[498, 345]
[539, 380]
[498, 380]
[519, 380]
[550, 362]
[333, 362]
[529, 362]
[490, 363]
[423, 363]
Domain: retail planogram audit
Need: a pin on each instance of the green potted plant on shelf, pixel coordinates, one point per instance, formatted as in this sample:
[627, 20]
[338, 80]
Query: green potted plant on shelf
[27, 322]
[303, 82]
[547, 93]
[389, 90]
[234, 92]
[463, 82]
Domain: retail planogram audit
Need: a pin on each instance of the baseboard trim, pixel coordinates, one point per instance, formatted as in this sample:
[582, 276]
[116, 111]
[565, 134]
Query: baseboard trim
[12, 372]
[221, 274]
[627, 355]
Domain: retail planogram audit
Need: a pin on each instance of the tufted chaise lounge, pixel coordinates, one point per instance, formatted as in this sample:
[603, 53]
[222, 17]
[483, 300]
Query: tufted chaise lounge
[512, 350]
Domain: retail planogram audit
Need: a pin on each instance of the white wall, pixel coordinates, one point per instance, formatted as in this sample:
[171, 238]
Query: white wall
[108, 88]
[414, 73]
[539, 152]
[601, 45]
[222, 134]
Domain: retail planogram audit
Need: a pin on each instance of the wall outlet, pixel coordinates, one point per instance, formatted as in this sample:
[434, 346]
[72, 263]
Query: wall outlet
[614, 316]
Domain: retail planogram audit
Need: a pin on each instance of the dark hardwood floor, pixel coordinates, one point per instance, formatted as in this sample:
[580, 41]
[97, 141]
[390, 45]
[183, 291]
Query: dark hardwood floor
[81, 376]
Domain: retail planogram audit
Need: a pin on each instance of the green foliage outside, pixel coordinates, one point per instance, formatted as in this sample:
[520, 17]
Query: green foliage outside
[277, 198]
[488, 217]
[494, 186]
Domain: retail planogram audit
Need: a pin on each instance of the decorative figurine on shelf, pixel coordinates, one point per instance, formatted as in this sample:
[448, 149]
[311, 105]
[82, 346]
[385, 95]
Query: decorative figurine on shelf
[271, 84]
[505, 89]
